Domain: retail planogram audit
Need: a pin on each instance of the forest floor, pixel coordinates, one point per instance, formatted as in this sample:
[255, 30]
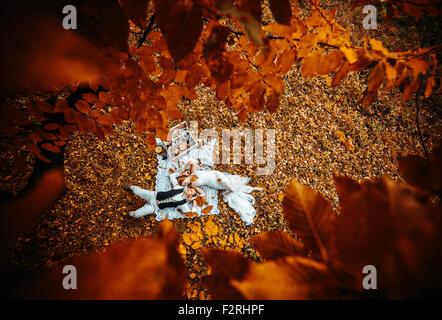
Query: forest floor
[319, 131]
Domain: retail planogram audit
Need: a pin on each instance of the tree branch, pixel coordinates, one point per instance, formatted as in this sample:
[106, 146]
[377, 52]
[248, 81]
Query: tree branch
[421, 138]
[147, 30]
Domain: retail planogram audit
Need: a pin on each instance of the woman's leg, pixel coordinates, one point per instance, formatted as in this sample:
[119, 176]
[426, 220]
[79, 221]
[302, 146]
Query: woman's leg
[225, 181]
[147, 195]
[144, 210]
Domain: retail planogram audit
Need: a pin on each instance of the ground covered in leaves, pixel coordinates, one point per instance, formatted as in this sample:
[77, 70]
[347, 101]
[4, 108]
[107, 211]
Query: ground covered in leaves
[319, 131]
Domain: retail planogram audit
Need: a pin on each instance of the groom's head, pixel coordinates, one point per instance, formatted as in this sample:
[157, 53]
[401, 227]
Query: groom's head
[190, 192]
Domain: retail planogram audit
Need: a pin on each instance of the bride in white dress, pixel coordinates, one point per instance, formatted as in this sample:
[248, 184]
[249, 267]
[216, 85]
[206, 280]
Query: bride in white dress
[236, 189]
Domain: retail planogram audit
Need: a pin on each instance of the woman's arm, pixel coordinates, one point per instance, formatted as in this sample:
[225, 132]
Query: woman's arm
[200, 191]
[192, 168]
[185, 166]
[173, 179]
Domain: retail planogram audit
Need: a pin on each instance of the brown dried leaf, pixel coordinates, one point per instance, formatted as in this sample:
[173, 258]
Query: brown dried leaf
[159, 274]
[289, 278]
[225, 265]
[276, 244]
[422, 173]
[181, 24]
[136, 11]
[309, 216]
[282, 12]
[193, 76]
[272, 103]
[50, 147]
[207, 209]
[375, 80]
[83, 106]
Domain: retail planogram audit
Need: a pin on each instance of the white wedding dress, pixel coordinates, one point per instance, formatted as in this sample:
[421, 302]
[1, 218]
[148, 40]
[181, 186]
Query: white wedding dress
[236, 190]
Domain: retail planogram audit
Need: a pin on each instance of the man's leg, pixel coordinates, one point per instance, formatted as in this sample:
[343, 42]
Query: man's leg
[161, 195]
[144, 210]
[147, 195]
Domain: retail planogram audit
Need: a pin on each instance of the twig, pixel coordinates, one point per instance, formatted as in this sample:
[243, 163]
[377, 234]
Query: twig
[417, 100]
[436, 5]
[418, 32]
[147, 30]
[417, 120]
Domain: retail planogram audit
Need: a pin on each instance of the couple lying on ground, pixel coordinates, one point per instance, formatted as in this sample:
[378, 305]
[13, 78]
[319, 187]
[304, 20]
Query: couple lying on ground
[185, 189]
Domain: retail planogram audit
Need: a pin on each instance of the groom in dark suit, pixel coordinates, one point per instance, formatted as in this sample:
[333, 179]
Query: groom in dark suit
[175, 198]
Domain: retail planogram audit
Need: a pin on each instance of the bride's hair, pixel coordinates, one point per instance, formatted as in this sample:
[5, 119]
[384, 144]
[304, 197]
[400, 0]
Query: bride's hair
[180, 179]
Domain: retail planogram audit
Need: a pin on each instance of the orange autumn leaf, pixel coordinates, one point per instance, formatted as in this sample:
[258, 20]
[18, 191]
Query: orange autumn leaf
[136, 11]
[207, 209]
[345, 140]
[83, 106]
[272, 103]
[90, 97]
[422, 173]
[50, 147]
[429, 87]
[150, 140]
[286, 60]
[309, 216]
[380, 218]
[210, 228]
[225, 265]
[381, 222]
[184, 51]
[105, 120]
[311, 63]
[104, 97]
[375, 80]
[180, 76]
[159, 274]
[281, 10]
[59, 143]
[50, 126]
[193, 76]
[190, 214]
[330, 62]
[199, 201]
[289, 278]
[196, 228]
[276, 244]
[191, 239]
[181, 26]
